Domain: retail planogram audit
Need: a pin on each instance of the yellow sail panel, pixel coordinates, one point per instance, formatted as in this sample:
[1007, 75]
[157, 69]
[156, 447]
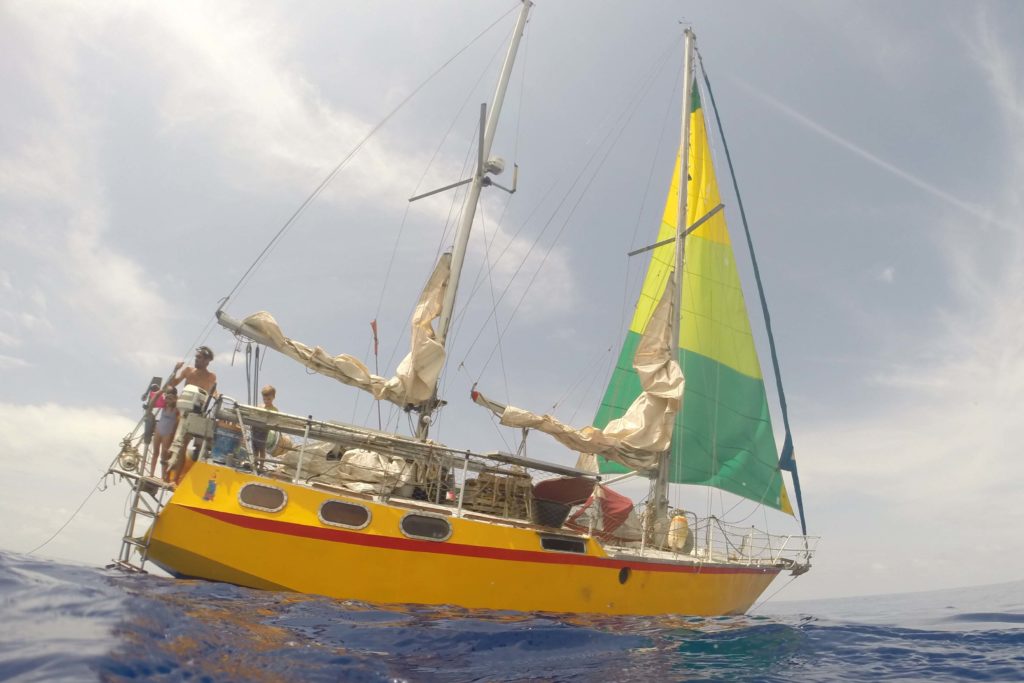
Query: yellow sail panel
[703, 187]
[714, 316]
[786, 506]
[662, 261]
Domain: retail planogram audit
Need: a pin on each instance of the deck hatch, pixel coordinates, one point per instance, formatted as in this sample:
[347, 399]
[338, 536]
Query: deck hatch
[343, 514]
[262, 497]
[426, 526]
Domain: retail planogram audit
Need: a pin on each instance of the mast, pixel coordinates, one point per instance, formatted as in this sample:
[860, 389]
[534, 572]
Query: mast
[479, 180]
[659, 501]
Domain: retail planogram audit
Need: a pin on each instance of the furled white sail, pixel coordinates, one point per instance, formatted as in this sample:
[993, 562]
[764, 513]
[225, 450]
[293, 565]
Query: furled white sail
[645, 431]
[416, 375]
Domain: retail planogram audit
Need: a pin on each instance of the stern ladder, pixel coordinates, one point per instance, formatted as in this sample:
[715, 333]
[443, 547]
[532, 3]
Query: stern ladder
[147, 500]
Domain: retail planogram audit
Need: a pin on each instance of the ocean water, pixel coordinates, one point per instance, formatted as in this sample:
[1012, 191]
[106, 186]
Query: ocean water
[61, 622]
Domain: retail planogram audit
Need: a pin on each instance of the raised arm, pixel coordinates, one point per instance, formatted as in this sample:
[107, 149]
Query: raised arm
[178, 377]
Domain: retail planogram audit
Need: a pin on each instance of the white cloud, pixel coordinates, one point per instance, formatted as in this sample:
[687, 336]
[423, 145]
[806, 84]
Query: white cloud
[515, 263]
[54, 172]
[11, 362]
[111, 287]
[887, 275]
[9, 340]
[52, 457]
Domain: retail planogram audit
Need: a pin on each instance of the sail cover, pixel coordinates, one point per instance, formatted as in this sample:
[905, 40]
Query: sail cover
[639, 437]
[723, 434]
[417, 374]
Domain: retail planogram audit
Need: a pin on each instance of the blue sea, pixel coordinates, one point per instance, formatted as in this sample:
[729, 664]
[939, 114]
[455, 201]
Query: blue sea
[62, 622]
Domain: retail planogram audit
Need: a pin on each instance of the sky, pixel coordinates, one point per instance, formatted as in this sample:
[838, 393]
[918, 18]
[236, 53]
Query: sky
[149, 152]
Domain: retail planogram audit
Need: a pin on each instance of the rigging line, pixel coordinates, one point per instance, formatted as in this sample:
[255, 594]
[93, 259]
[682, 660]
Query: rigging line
[669, 108]
[594, 359]
[458, 315]
[750, 514]
[781, 588]
[56, 533]
[359, 393]
[457, 197]
[494, 303]
[651, 77]
[483, 274]
[628, 114]
[501, 434]
[203, 334]
[426, 170]
[400, 337]
[457, 207]
[525, 222]
[478, 277]
[469, 162]
[623, 120]
[590, 384]
[248, 372]
[478, 281]
[758, 502]
[786, 459]
[330, 176]
[394, 250]
[529, 217]
[522, 96]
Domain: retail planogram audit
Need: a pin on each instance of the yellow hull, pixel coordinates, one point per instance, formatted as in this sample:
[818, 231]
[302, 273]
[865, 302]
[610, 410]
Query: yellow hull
[204, 532]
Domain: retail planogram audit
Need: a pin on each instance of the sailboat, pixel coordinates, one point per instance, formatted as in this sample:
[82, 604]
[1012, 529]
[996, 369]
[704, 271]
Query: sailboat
[362, 514]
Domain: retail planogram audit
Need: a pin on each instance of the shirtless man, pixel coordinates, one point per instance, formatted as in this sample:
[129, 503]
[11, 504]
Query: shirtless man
[205, 380]
[198, 375]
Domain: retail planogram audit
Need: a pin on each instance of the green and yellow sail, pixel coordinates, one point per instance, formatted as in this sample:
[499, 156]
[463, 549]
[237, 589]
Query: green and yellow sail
[723, 435]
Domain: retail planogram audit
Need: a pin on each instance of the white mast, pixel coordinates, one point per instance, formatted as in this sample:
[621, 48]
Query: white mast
[472, 197]
[659, 501]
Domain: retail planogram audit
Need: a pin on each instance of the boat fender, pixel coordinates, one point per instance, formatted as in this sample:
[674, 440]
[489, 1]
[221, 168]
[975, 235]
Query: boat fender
[679, 537]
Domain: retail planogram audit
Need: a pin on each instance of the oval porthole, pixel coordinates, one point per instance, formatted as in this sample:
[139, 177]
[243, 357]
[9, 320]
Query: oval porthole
[426, 526]
[348, 515]
[262, 497]
[624, 575]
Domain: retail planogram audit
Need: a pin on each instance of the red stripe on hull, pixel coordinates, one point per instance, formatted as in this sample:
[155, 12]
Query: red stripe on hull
[446, 548]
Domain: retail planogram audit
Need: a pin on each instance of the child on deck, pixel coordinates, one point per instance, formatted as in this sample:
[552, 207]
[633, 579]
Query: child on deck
[259, 434]
[166, 425]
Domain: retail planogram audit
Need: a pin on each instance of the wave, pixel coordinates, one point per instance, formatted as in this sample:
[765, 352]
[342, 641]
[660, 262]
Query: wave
[67, 622]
